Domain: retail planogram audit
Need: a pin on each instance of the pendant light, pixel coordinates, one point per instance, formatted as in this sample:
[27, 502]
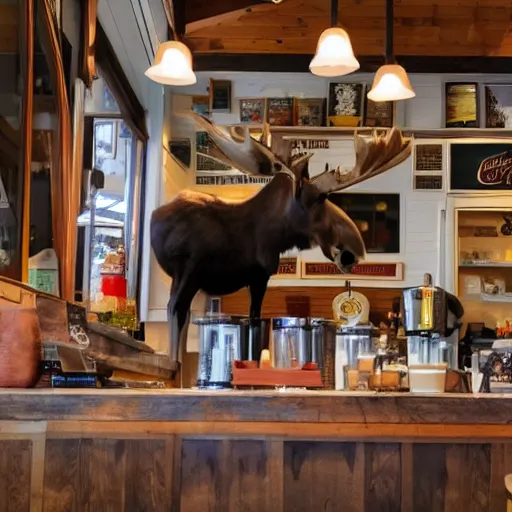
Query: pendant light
[391, 82]
[334, 55]
[172, 65]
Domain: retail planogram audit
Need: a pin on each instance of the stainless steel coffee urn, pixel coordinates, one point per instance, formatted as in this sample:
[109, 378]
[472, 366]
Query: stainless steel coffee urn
[431, 318]
[219, 346]
[224, 339]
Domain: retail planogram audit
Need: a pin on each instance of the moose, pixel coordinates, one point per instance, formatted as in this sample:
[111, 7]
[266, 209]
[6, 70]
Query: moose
[205, 243]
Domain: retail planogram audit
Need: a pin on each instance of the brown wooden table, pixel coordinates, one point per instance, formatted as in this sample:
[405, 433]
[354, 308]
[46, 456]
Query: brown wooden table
[188, 451]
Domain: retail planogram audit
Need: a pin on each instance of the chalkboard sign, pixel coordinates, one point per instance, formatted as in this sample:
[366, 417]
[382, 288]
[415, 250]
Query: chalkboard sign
[481, 166]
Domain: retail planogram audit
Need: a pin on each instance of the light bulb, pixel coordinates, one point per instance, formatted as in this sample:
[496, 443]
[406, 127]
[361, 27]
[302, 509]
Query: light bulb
[334, 55]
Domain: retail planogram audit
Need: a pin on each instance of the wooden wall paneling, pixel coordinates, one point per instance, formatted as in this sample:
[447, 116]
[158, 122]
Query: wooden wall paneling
[224, 475]
[428, 492]
[61, 481]
[452, 477]
[200, 477]
[101, 475]
[382, 477]
[323, 476]
[108, 474]
[22, 452]
[15, 472]
[149, 474]
[320, 298]
[244, 481]
[501, 465]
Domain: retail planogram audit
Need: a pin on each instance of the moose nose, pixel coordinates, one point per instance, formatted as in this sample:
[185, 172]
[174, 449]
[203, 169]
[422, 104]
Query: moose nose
[345, 260]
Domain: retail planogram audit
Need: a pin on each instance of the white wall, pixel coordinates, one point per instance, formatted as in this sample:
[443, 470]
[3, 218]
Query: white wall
[421, 211]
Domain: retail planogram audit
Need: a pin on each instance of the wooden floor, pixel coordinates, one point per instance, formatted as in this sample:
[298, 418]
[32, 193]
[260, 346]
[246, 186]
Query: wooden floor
[93, 461]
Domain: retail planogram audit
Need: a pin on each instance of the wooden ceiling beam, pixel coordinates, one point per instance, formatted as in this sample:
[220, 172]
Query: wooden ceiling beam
[201, 9]
[299, 63]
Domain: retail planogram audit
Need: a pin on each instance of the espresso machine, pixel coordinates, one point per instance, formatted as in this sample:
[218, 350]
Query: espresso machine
[432, 319]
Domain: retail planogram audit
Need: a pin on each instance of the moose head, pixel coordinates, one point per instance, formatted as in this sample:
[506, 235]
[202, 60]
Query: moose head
[205, 243]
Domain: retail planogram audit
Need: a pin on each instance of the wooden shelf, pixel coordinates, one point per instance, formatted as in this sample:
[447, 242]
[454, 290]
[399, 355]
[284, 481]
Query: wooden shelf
[438, 133]
[491, 264]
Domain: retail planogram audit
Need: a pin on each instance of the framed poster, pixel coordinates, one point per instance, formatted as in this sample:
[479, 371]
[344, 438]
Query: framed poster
[498, 106]
[482, 166]
[180, 149]
[346, 101]
[280, 111]
[309, 112]
[220, 96]
[379, 114]
[461, 105]
[201, 105]
[252, 110]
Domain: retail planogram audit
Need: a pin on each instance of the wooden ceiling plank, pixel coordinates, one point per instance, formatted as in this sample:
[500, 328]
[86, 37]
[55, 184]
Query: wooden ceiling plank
[199, 10]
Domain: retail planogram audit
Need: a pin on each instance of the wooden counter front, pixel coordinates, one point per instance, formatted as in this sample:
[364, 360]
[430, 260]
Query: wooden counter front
[188, 451]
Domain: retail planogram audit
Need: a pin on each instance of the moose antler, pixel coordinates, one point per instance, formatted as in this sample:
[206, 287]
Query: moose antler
[374, 155]
[237, 147]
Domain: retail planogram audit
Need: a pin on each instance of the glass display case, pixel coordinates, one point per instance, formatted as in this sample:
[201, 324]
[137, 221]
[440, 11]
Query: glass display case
[484, 265]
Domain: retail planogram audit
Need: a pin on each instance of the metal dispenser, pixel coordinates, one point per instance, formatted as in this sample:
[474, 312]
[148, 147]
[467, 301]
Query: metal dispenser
[431, 319]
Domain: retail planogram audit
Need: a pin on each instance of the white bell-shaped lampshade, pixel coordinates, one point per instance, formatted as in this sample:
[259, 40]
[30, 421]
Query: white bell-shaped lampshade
[173, 65]
[391, 83]
[334, 55]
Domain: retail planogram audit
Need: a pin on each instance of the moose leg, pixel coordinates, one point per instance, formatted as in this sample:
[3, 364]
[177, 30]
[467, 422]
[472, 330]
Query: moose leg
[257, 290]
[178, 313]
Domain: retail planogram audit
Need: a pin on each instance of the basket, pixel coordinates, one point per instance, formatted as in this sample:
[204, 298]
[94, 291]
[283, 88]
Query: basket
[20, 346]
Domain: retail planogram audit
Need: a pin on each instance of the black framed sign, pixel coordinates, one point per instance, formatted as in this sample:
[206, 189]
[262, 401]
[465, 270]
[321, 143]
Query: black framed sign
[481, 166]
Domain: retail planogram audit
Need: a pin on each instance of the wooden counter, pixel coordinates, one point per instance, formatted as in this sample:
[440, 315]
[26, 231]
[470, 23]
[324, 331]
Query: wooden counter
[190, 451]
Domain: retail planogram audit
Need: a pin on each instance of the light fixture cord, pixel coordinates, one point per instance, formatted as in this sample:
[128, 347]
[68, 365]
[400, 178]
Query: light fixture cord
[334, 13]
[390, 18]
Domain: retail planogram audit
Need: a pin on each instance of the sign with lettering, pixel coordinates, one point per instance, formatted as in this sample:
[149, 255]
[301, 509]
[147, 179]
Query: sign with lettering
[289, 268]
[496, 170]
[481, 166]
[366, 270]
[307, 145]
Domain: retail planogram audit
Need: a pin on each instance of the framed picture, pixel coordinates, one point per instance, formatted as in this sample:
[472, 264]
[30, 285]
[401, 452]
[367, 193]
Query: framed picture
[180, 149]
[252, 110]
[346, 101]
[309, 112]
[220, 96]
[461, 105]
[201, 105]
[280, 111]
[379, 114]
[498, 106]
[105, 142]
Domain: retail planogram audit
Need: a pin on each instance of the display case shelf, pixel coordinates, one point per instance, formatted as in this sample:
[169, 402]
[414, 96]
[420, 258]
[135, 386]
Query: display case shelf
[497, 299]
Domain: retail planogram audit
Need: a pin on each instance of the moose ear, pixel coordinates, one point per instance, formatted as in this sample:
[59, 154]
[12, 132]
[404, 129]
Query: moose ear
[321, 197]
